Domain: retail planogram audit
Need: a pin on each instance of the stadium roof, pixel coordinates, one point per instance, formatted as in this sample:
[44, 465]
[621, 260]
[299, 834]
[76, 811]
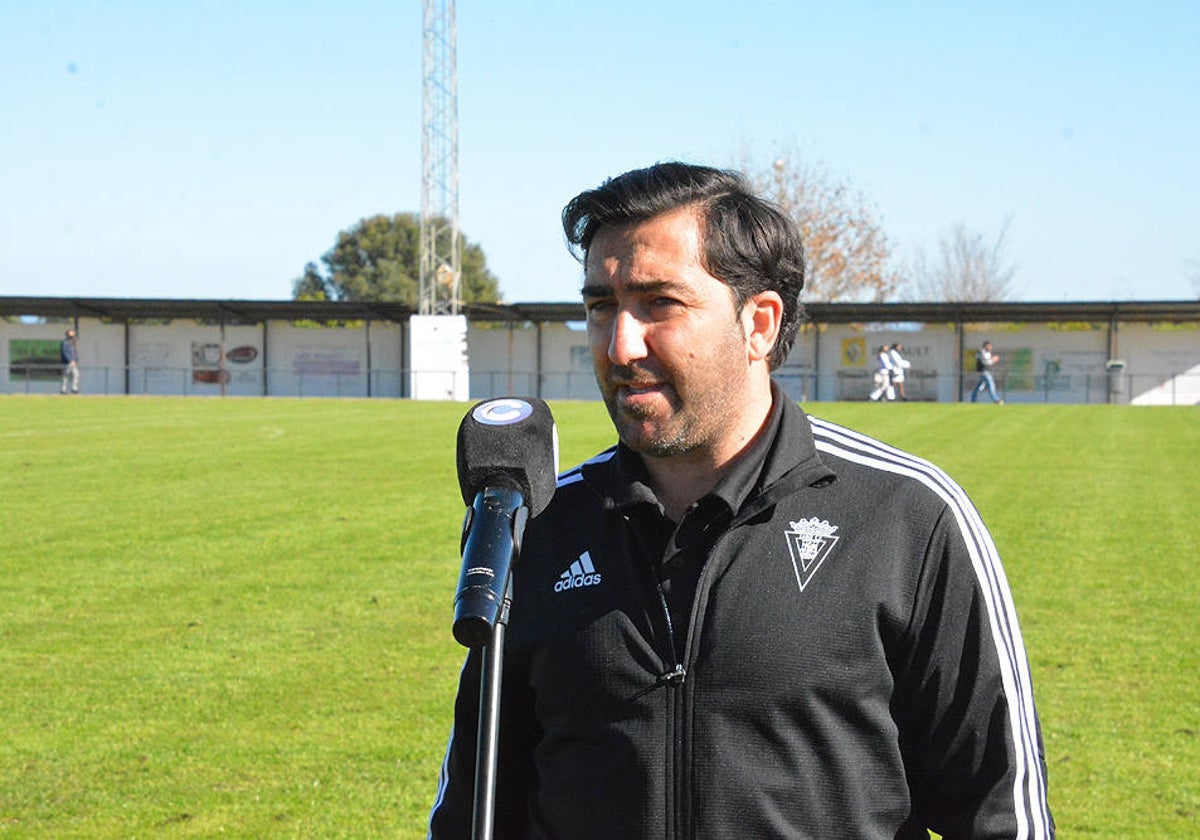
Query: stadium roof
[255, 311]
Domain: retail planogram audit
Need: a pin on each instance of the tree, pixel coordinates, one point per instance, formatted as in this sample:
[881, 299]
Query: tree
[969, 267]
[379, 259]
[848, 253]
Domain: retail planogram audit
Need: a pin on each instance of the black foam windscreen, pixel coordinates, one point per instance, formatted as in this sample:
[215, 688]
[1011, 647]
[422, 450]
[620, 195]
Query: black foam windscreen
[509, 439]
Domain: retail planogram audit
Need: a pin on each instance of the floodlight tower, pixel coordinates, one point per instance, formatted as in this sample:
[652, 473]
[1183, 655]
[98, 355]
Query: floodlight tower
[441, 251]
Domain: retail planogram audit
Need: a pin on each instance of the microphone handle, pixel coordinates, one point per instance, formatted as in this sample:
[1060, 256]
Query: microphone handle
[491, 544]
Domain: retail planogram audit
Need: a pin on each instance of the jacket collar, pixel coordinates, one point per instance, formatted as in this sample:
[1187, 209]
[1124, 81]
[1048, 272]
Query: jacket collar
[791, 461]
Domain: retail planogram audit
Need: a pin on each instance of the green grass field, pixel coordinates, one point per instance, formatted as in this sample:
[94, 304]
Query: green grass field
[233, 616]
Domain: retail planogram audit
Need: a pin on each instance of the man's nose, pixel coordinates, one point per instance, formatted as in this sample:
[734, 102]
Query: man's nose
[627, 342]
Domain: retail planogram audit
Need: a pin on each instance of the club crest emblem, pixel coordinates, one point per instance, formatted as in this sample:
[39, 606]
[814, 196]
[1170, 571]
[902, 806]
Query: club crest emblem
[809, 541]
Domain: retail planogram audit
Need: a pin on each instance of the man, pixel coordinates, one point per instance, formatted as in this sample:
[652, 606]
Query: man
[69, 353]
[884, 372]
[899, 366]
[985, 360]
[787, 629]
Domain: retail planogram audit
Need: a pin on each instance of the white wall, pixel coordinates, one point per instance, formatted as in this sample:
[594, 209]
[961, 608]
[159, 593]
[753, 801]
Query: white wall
[317, 361]
[185, 357]
[438, 361]
[1040, 362]
[1162, 364]
[504, 361]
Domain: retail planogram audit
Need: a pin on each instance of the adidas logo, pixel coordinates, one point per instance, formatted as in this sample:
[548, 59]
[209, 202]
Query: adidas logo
[582, 573]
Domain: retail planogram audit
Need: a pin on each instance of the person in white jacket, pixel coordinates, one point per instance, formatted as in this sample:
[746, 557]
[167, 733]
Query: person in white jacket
[899, 366]
[883, 376]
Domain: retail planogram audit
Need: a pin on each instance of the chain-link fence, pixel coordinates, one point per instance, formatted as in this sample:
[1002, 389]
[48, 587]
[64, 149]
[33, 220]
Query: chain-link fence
[1115, 385]
[189, 382]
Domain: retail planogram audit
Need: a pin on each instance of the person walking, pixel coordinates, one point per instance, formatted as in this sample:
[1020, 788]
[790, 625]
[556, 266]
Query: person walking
[985, 360]
[900, 366]
[69, 354]
[786, 629]
[883, 375]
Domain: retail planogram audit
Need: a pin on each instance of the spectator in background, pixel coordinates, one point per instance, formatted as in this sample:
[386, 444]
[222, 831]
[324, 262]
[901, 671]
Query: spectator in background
[69, 352]
[899, 366]
[883, 375]
[985, 360]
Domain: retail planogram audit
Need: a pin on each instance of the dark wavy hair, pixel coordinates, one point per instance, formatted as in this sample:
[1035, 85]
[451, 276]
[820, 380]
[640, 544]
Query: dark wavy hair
[748, 243]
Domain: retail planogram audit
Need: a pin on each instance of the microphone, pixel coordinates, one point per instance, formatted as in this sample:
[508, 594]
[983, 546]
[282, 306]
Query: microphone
[507, 469]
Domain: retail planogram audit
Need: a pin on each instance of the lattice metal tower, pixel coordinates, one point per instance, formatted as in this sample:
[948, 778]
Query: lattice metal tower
[441, 249]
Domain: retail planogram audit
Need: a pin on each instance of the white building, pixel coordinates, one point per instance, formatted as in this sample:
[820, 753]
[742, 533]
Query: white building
[1093, 352]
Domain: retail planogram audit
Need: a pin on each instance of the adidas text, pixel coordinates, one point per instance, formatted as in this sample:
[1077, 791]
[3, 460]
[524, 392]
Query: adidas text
[581, 573]
[577, 581]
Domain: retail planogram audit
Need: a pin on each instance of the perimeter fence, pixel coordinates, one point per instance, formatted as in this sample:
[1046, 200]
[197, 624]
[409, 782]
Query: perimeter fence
[1120, 386]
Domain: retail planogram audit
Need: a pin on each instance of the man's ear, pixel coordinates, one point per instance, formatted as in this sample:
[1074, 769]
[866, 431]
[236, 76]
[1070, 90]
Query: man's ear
[762, 315]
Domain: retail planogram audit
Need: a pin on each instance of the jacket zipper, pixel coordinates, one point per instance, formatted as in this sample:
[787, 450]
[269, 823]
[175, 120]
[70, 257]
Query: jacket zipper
[677, 673]
[673, 679]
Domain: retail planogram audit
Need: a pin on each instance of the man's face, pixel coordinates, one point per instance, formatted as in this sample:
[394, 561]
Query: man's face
[668, 345]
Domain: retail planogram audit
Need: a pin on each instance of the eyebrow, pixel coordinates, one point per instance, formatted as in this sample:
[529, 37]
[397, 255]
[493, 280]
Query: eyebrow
[595, 290]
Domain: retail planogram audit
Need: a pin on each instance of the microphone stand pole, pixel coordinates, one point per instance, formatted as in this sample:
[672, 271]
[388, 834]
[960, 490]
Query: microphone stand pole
[489, 724]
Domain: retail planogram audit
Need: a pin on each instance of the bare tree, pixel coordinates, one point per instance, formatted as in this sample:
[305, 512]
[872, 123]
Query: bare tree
[849, 255]
[968, 267]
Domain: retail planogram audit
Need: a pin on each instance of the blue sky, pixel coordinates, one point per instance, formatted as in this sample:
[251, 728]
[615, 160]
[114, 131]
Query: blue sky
[210, 149]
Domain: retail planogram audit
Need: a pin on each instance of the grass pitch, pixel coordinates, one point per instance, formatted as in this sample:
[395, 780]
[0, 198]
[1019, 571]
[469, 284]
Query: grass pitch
[233, 616]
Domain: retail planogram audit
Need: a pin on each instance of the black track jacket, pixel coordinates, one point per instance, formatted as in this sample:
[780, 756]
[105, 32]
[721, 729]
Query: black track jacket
[853, 667]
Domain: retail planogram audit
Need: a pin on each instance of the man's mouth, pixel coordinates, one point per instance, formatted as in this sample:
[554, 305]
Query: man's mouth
[640, 396]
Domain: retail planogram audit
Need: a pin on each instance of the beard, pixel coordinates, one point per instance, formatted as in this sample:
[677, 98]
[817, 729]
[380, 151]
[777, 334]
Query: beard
[678, 401]
[645, 429]
[693, 411]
